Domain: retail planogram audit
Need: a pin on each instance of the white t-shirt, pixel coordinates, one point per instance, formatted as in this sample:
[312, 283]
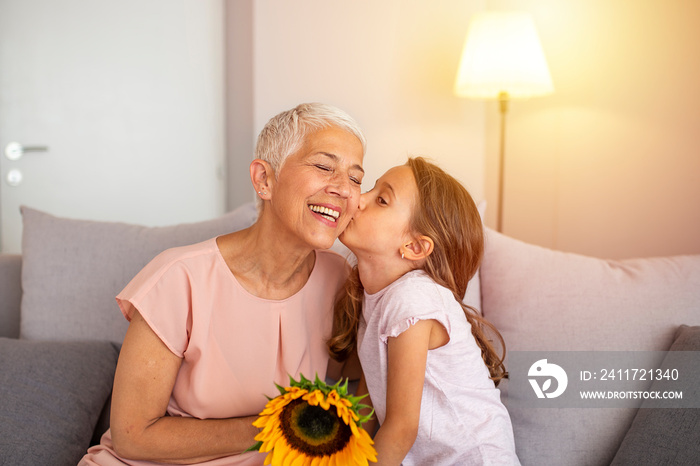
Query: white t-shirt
[462, 419]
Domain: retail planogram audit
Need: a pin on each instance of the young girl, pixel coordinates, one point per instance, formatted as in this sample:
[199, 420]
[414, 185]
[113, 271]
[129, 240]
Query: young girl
[430, 372]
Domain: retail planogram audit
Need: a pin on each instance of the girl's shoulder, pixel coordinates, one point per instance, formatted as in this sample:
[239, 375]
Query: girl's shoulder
[412, 298]
[417, 292]
[415, 284]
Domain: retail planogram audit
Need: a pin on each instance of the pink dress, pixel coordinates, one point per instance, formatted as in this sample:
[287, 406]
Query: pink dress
[234, 345]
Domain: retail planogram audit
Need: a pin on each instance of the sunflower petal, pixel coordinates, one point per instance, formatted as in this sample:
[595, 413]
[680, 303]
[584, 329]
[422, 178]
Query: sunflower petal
[291, 457]
[268, 459]
[342, 456]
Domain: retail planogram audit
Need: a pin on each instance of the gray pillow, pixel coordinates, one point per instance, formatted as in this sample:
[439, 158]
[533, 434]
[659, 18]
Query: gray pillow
[667, 435]
[73, 269]
[51, 394]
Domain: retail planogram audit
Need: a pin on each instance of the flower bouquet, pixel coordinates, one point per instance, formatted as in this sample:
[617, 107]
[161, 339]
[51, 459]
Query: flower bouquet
[312, 423]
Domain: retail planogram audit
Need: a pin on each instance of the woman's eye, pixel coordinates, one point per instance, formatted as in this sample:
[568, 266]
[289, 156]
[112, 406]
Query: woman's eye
[381, 200]
[323, 167]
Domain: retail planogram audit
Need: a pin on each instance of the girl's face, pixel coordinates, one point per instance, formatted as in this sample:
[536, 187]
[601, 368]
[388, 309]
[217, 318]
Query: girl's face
[381, 224]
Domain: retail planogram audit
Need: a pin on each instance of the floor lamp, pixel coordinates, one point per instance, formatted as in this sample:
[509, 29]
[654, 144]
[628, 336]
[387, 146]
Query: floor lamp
[502, 59]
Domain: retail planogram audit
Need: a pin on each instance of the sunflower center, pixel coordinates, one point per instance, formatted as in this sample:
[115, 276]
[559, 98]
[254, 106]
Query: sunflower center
[313, 430]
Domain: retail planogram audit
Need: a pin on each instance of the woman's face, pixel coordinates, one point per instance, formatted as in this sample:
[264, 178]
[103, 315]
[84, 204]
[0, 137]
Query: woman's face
[381, 224]
[317, 190]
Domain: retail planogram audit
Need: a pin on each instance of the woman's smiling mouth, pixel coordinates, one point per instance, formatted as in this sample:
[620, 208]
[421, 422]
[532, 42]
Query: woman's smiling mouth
[325, 212]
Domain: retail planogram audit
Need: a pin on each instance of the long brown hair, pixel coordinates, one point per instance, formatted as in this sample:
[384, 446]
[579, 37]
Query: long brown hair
[446, 213]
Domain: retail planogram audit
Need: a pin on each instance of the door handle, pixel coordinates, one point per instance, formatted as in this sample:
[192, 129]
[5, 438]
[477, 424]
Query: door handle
[15, 150]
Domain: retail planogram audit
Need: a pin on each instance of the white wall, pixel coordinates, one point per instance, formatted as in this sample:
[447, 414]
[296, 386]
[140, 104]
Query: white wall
[391, 64]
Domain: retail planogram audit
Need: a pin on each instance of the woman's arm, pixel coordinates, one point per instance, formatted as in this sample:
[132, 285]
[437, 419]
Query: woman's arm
[407, 356]
[143, 383]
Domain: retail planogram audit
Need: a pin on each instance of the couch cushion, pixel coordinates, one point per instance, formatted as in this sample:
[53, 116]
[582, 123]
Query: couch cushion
[73, 269]
[51, 394]
[545, 300]
[667, 435]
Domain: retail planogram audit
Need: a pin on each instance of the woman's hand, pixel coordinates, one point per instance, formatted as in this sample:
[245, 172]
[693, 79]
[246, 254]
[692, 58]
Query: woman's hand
[140, 428]
[407, 356]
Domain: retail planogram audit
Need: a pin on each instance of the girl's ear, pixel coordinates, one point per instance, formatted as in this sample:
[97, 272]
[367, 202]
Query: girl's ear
[262, 176]
[417, 249]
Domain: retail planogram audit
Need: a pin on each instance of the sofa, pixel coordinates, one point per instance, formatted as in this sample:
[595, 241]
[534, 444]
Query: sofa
[60, 334]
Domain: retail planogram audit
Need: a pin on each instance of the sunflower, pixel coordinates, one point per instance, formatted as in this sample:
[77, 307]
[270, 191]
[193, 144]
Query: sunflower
[300, 428]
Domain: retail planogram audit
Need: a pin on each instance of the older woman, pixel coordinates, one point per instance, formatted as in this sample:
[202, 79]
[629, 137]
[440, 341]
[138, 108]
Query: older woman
[214, 325]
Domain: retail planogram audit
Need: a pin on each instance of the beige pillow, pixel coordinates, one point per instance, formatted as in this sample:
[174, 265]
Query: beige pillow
[541, 299]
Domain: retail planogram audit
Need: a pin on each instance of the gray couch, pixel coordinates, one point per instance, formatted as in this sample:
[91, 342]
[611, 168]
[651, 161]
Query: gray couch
[60, 332]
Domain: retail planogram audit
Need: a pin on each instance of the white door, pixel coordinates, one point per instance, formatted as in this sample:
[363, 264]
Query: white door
[126, 97]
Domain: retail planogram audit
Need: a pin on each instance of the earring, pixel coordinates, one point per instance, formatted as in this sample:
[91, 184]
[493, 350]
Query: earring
[401, 255]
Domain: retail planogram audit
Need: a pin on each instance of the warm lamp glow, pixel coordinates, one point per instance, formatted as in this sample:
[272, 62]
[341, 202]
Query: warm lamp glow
[502, 59]
[502, 53]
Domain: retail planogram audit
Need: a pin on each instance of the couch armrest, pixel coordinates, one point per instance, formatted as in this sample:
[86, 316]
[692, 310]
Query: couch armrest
[10, 294]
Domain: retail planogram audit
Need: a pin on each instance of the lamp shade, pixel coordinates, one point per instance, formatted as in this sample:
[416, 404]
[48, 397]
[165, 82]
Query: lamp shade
[502, 53]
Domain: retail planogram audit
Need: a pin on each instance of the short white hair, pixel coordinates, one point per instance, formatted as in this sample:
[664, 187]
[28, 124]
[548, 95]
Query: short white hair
[284, 134]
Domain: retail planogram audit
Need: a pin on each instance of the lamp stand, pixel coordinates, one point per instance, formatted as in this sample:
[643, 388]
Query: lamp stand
[503, 107]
